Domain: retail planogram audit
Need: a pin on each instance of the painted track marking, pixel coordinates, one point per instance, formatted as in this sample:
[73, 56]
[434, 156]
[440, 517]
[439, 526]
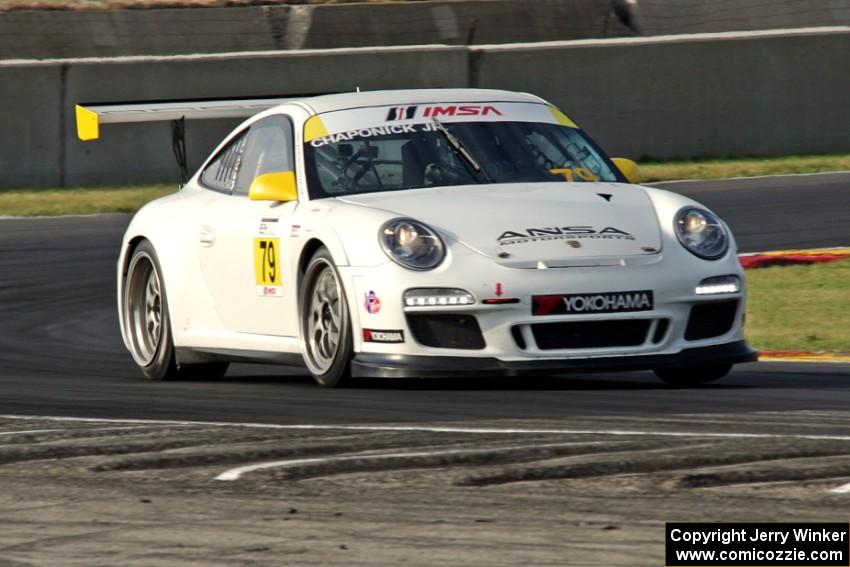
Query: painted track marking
[237, 472]
[31, 431]
[844, 489]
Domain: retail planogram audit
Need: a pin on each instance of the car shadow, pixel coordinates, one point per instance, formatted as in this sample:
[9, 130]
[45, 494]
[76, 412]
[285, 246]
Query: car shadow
[632, 381]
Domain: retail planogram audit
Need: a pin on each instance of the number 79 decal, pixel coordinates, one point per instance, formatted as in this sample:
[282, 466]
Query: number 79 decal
[573, 174]
[267, 266]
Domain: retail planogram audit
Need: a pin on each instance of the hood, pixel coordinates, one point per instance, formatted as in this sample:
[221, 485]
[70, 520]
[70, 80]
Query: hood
[537, 225]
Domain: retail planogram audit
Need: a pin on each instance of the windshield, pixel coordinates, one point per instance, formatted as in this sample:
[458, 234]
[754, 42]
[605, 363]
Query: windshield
[410, 154]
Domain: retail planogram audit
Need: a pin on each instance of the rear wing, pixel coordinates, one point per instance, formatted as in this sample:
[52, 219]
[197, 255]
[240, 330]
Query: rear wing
[91, 116]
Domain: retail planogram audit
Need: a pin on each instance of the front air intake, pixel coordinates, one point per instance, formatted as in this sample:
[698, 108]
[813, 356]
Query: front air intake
[710, 320]
[440, 330]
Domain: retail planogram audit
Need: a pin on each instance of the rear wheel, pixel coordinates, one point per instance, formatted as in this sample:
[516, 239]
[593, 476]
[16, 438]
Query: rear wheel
[147, 325]
[325, 322]
[692, 375]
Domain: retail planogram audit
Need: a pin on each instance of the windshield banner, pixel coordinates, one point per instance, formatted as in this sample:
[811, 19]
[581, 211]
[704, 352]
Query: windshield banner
[342, 125]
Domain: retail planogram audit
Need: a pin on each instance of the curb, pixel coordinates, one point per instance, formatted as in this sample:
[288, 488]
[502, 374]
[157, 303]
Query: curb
[802, 356]
[793, 257]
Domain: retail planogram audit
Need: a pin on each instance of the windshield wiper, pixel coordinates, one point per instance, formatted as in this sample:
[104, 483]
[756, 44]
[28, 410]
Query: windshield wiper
[457, 146]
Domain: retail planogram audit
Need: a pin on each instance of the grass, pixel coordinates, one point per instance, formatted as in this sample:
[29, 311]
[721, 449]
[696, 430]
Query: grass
[800, 308]
[741, 167]
[79, 200]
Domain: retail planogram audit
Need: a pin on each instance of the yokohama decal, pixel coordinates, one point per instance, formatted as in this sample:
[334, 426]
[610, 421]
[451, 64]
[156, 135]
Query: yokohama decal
[589, 303]
[376, 336]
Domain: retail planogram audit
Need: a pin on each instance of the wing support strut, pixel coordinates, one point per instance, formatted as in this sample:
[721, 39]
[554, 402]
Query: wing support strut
[178, 144]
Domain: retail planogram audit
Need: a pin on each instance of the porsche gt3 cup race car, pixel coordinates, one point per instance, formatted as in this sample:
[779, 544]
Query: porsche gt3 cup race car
[415, 233]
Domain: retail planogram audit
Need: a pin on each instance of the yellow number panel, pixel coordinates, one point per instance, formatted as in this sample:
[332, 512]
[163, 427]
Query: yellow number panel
[267, 266]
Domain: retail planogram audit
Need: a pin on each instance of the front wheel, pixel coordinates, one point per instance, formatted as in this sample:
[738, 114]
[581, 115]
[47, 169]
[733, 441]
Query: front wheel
[325, 322]
[692, 375]
[147, 325]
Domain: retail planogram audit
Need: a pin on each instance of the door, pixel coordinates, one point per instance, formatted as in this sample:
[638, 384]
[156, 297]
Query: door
[244, 244]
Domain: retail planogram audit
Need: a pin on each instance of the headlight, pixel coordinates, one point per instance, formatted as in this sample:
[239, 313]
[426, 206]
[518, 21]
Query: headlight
[702, 233]
[412, 244]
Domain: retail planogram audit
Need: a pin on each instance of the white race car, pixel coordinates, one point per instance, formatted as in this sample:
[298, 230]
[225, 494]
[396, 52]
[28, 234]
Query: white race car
[409, 233]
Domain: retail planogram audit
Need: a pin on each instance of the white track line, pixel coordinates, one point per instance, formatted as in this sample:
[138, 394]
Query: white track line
[236, 473]
[65, 429]
[844, 489]
[31, 431]
[438, 429]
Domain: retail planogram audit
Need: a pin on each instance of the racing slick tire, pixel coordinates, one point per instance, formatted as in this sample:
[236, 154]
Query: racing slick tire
[326, 342]
[147, 324]
[692, 375]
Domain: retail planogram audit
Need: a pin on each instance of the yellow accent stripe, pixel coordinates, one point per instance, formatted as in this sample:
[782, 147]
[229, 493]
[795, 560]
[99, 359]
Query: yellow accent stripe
[314, 128]
[561, 118]
[87, 125]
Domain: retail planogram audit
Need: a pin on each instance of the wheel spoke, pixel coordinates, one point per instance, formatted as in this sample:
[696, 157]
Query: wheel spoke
[333, 339]
[336, 316]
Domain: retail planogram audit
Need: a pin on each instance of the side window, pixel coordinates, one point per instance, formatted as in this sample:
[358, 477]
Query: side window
[221, 173]
[269, 149]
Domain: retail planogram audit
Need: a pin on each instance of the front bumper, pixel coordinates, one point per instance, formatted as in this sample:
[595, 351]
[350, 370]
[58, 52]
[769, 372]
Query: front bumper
[414, 366]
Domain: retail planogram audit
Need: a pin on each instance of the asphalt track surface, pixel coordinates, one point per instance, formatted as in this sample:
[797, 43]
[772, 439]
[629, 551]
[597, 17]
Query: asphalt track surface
[61, 353]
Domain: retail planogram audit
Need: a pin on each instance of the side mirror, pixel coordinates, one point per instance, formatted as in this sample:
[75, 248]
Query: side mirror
[278, 186]
[628, 168]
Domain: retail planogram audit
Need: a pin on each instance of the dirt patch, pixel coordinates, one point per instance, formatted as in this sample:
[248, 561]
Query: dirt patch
[142, 494]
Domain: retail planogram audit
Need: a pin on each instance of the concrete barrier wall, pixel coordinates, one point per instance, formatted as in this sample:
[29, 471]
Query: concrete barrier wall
[659, 17]
[32, 119]
[174, 31]
[730, 94]
[764, 93]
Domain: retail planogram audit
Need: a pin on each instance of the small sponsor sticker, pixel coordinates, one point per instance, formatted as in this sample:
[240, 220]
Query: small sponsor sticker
[591, 303]
[270, 290]
[383, 336]
[371, 302]
[268, 227]
[401, 113]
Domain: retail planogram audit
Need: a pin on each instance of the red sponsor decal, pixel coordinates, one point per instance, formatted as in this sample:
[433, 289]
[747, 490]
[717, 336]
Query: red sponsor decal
[545, 304]
[457, 110]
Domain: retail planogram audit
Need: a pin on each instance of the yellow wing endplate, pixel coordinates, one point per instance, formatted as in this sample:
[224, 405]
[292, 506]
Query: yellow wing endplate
[88, 127]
